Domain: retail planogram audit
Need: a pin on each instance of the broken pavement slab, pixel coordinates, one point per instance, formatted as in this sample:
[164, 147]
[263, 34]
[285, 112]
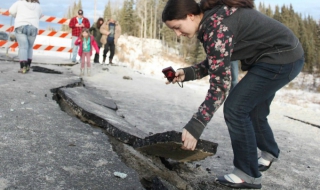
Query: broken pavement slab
[168, 145]
[99, 109]
[99, 115]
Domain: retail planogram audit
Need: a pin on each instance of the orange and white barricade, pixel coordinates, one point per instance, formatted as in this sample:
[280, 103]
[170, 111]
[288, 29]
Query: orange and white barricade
[13, 45]
[7, 28]
[51, 19]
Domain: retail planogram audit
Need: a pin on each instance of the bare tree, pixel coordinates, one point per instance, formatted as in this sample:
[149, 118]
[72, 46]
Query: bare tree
[140, 15]
[151, 22]
[145, 19]
[155, 20]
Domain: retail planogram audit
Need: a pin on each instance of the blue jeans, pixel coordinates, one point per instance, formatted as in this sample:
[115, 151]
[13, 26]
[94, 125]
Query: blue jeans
[74, 49]
[246, 110]
[26, 35]
[234, 73]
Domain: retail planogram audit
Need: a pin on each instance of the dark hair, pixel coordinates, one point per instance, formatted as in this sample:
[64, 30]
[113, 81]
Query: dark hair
[209, 4]
[98, 22]
[179, 9]
[33, 1]
[84, 30]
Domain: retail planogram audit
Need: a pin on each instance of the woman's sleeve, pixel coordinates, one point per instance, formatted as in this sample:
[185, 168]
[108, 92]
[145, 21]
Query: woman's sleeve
[95, 46]
[86, 23]
[40, 13]
[92, 28]
[104, 29]
[218, 44]
[77, 42]
[197, 71]
[14, 9]
[72, 23]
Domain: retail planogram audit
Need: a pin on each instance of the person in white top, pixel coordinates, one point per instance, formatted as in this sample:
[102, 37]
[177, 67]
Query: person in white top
[27, 15]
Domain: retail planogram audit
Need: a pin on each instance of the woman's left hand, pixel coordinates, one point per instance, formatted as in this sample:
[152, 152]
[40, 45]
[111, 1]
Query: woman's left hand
[189, 142]
[179, 77]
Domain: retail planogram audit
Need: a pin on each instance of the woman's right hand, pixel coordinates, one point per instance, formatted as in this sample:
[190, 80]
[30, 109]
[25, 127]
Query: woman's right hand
[179, 76]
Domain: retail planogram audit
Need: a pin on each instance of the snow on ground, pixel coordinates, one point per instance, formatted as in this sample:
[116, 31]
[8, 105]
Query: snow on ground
[148, 57]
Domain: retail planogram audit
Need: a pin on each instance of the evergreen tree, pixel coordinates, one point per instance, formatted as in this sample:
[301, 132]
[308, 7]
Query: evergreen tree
[128, 18]
[304, 41]
[262, 8]
[285, 15]
[160, 6]
[79, 5]
[277, 14]
[317, 33]
[269, 11]
[74, 9]
[107, 13]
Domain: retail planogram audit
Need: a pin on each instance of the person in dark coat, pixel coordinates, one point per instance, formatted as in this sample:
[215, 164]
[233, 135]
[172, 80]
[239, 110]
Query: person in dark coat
[270, 53]
[95, 31]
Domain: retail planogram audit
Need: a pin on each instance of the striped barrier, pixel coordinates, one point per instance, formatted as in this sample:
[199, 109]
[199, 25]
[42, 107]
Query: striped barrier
[55, 20]
[4, 12]
[50, 19]
[37, 47]
[7, 28]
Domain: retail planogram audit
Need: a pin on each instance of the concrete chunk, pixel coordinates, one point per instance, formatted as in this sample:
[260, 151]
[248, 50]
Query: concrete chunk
[99, 115]
[97, 107]
[168, 145]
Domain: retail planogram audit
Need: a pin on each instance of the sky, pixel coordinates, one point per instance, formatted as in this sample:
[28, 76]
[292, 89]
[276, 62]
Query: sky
[58, 8]
[305, 7]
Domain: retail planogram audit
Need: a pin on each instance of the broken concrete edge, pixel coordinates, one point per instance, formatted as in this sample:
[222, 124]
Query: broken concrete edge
[91, 100]
[115, 108]
[44, 70]
[148, 166]
[97, 121]
[174, 136]
[13, 59]
[72, 85]
[106, 96]
[166, 145]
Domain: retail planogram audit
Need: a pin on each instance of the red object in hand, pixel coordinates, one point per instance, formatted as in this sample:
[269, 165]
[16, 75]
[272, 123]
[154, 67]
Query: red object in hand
[169, 73]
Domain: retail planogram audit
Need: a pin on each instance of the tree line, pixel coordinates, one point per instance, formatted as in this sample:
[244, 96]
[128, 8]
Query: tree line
[142, 18]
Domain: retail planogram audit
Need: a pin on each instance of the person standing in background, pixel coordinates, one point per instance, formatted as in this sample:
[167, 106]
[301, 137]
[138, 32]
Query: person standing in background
[27, 16]
[234, 73]
[76, 24]
[87, 44]
[95, 31]
[110, 31]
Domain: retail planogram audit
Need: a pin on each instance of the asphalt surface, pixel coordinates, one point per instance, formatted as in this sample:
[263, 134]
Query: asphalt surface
[42, 147]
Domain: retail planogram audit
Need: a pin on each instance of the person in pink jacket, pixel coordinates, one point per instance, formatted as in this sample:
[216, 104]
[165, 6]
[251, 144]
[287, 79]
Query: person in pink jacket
[86, 43]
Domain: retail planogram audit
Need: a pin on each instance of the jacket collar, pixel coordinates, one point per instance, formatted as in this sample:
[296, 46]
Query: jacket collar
[204, 22]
